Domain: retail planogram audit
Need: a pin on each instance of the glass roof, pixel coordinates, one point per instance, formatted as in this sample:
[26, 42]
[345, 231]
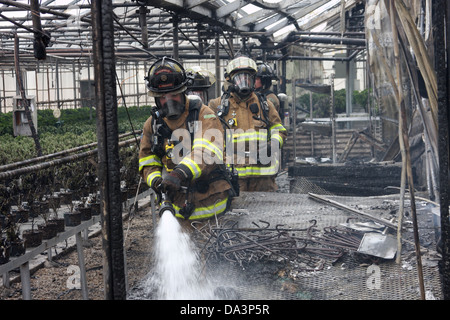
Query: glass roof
[236, 23]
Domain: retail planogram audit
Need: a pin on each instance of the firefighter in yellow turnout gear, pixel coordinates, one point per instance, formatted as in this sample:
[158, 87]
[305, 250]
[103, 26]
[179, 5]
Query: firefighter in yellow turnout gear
[187, 163]
[254, 127]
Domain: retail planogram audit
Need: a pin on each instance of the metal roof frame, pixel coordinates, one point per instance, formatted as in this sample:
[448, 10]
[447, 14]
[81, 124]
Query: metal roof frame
[188, 28]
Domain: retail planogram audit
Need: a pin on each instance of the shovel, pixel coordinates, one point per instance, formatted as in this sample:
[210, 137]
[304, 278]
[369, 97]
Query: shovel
[378, 245]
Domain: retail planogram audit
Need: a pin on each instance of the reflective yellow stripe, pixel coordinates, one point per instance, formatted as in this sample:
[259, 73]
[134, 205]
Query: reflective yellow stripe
[151, 160]
[278, 127]
[274, 132]
[205, 212]
[257, 171]
[195, 169]
[152, 176]
[249, 136]
[202, 143]
[278, 138]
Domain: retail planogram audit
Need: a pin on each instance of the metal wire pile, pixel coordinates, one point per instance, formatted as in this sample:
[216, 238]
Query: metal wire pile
[309, 248]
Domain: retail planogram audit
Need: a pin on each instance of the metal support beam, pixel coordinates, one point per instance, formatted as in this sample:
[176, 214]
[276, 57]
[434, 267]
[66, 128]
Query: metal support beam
[26, 281]
[218, 84]
[441, 29]
[82, 265]
[143, 24]
[175, 37]
[108, 149]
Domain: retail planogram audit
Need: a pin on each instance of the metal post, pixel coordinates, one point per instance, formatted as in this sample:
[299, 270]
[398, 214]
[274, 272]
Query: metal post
[108, 149]
[26, 280]
[294, 120]
[145, 95]
[49, 254]
[4, 89]
[36, 82]
[48, 87]
[218, 84]
[82, 265]
[57, 84]
[89, 90]
[74, 77]
[38, 45]
[137, 84]
[311, 104]
[153, 207]
[441, 19]
[175, 37]
[6, 282]
[26, 103]
[143, 24]
[333, 118]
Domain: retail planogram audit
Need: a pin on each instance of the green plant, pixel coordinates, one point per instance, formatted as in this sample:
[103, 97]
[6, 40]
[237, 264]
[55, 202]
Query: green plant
[130, 165]
[321, 102]
[12, 230]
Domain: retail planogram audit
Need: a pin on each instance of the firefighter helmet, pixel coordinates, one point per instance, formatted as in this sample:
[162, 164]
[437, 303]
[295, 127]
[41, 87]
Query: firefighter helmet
[241, 72]
[241, 63]
[202, 78]
[166, 75]
[266, 74]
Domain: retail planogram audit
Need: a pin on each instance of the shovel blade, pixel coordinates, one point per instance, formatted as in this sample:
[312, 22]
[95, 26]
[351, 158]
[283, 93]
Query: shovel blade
[378, 245]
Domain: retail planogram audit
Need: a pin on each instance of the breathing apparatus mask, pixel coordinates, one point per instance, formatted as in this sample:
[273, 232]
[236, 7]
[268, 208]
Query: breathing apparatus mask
[243, 83]
[171, 106]
[202, 94]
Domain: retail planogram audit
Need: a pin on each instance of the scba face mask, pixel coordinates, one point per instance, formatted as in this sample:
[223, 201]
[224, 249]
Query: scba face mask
[171, 105]
[199, 93]
[244, 84]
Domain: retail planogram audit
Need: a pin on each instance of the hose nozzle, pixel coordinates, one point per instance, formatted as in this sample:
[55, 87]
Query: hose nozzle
[166, 206]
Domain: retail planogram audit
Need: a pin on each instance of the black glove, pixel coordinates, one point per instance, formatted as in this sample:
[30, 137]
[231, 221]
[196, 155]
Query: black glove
[172, 182]
[156, 184]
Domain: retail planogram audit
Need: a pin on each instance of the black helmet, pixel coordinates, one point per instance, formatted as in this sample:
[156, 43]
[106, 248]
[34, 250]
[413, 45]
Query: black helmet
[202, 78]
[266, 74]
[166, 75]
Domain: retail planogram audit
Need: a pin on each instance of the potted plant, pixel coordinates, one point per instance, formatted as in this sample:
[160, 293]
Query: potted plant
[129, 171]
[94, 203]
[72, 217]
[5, 250]
[16, 244]
[5, 204]
[21, 214]
[91, 179]
[86, 212]
[32, 237]
[49, 229]
[54, 218]
[33, 197]
[64, 176]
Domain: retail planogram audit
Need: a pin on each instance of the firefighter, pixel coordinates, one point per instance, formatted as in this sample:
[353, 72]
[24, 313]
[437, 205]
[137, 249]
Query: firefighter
[250, 121]
[201, 84]
[263, 83]
[185, 164]
[214, 103]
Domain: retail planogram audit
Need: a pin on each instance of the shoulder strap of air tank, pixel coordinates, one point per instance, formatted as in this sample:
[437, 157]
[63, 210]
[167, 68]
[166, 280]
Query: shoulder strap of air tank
[224, 106]
[264, 105]
[194, 110]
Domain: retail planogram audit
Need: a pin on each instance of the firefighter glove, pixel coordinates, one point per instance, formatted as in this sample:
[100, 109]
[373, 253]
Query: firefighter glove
[172, 182]
[156, 184]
